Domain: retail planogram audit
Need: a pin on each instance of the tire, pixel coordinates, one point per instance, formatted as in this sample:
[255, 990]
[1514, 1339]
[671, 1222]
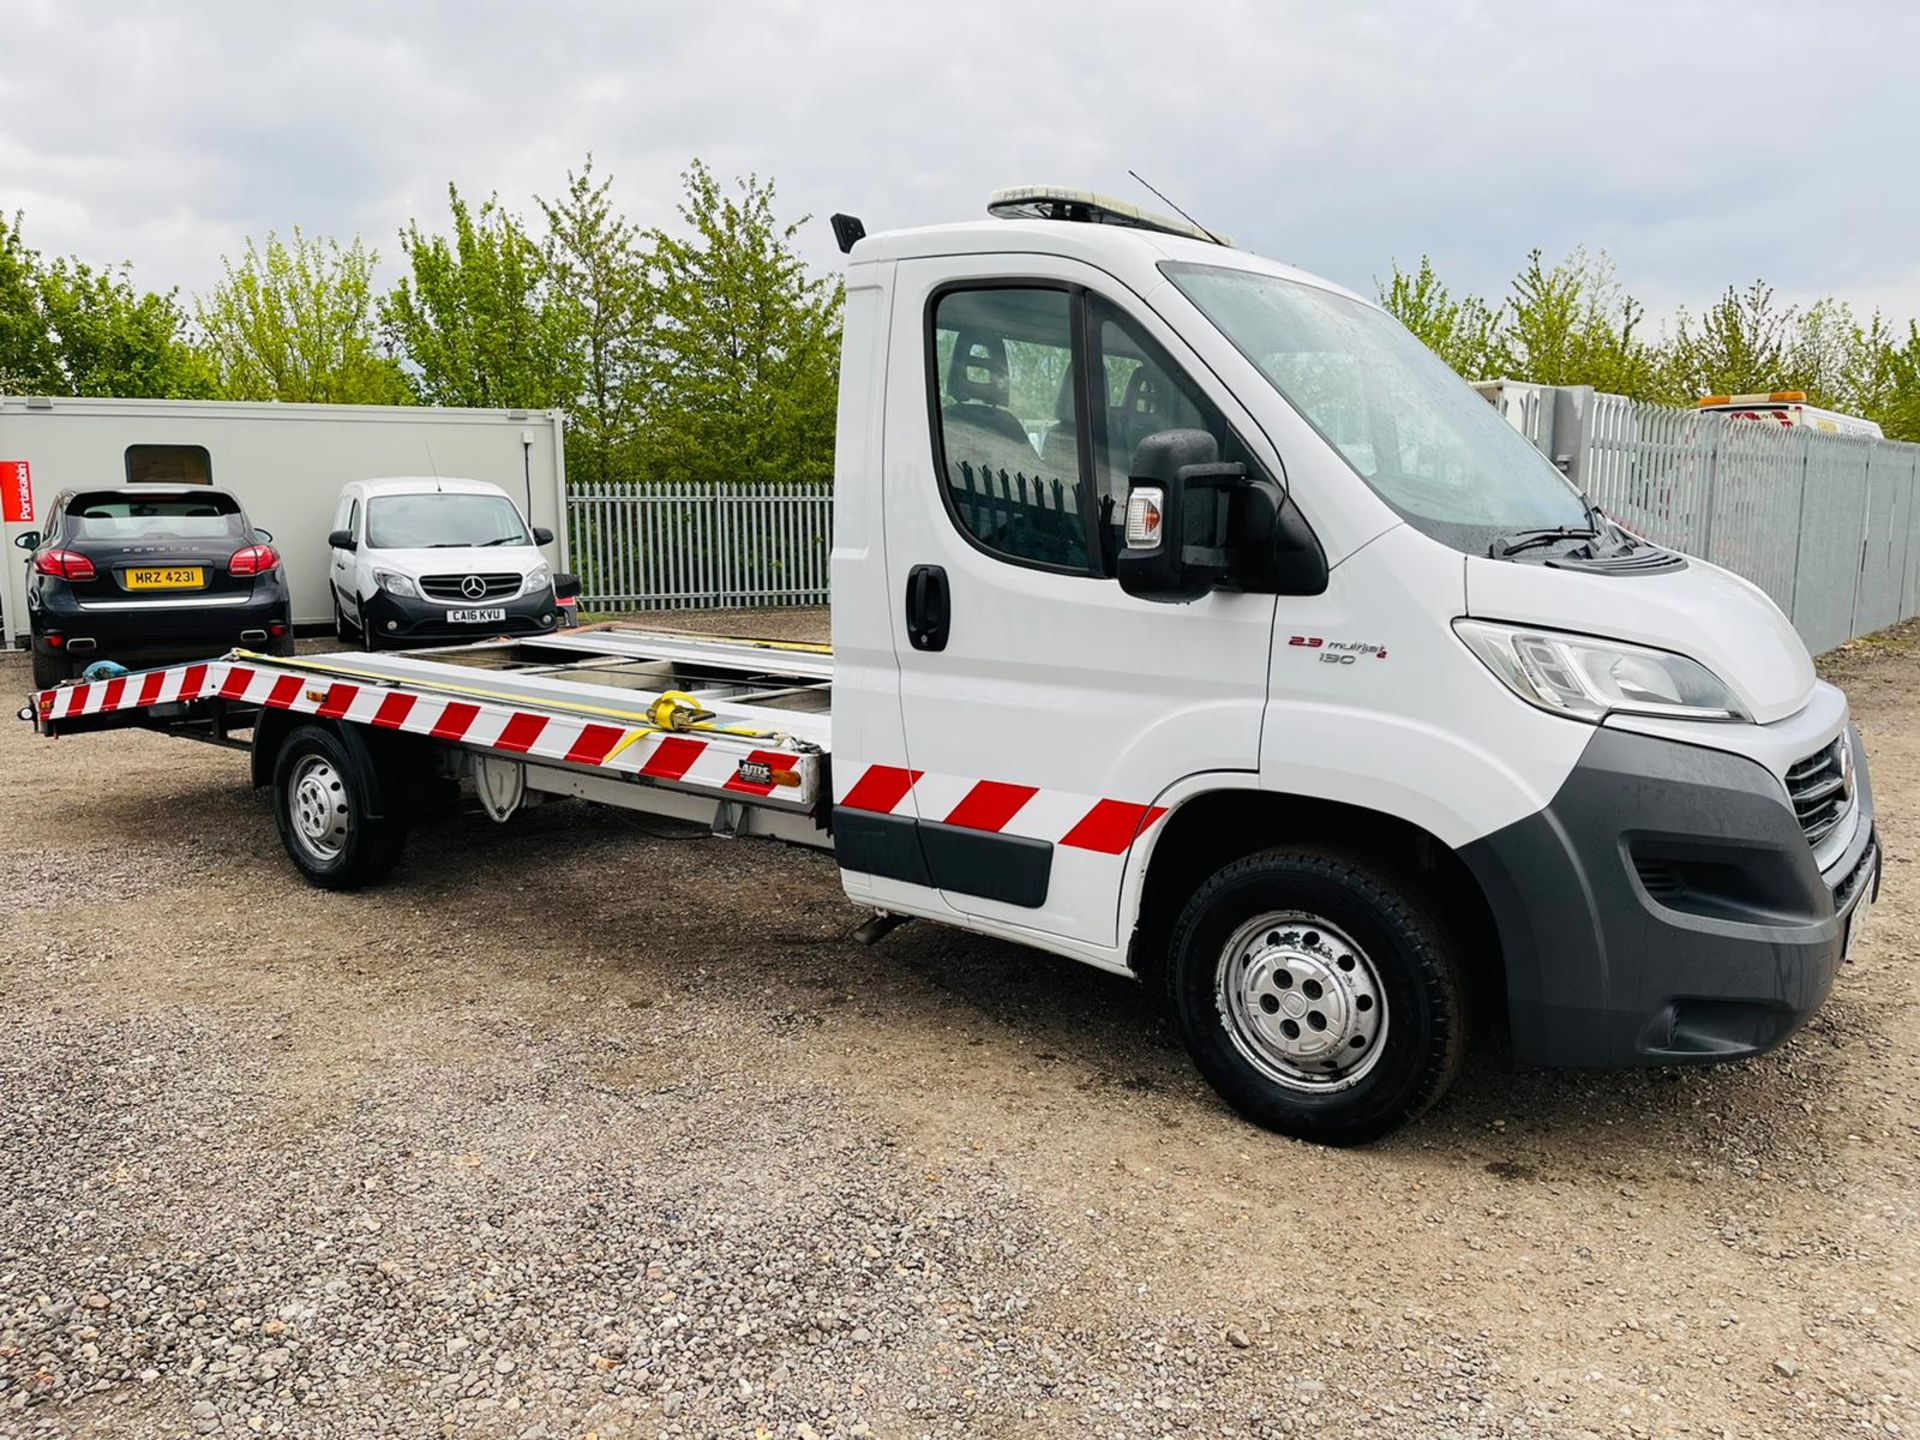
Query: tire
[369, 641]
[339, 618]
[326, 794]
[50, 670]
[1368, 1026]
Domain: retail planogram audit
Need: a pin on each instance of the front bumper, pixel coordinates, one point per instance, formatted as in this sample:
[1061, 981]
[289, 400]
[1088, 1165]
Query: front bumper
[1666, 908]
[392, 618]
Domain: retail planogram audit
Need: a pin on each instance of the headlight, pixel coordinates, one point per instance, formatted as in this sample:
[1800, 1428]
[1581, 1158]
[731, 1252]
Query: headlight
[538, 579]
[1588, 678]
[395, 584]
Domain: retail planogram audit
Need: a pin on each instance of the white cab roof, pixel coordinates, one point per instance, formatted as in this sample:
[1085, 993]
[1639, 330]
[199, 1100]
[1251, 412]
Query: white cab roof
[425, 485]
[1131, 255]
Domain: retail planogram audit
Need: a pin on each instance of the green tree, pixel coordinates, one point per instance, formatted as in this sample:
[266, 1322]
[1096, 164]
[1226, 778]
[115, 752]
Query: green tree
[112, 339]
[475, 317]
[1739, 344]
[295, 322]
[597, 272]
[67, 329]
[1574, 324]
[741, 373]
[28, 365]
[1463, 331]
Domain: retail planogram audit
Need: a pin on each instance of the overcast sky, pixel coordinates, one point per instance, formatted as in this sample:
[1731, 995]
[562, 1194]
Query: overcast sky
[1697, 143]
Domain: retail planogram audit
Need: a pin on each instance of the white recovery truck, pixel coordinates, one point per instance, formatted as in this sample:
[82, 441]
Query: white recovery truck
[1192, 621]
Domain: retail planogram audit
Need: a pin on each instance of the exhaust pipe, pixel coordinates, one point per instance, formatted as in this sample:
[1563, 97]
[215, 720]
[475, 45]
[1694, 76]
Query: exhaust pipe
[253, 637]
[82, 645]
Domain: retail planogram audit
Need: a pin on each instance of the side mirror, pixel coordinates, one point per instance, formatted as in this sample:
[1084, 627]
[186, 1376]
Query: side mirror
[542, 535]
[27, 540]
[1179, 506]
[565, 586]
[264, 537]
[341, 540]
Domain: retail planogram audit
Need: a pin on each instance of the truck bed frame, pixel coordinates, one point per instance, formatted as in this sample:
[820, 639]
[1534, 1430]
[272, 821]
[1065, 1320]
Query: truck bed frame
[732, 732]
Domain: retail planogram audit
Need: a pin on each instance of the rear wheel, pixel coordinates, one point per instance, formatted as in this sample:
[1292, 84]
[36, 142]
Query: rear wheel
[1319, 993]
[329, 804]
[50, 670]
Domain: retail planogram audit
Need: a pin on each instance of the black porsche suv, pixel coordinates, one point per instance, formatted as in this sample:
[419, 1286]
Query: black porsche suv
[147, 574]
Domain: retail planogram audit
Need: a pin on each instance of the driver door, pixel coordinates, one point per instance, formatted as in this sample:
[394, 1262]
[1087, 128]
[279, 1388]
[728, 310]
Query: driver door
[1048, 711]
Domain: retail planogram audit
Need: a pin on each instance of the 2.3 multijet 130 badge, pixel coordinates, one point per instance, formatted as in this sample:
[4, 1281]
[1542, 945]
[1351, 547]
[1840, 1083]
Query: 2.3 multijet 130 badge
[1337, 652]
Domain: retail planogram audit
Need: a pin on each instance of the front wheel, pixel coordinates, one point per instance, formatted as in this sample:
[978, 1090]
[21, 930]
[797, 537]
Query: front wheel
[329, 806]
[1319, 993]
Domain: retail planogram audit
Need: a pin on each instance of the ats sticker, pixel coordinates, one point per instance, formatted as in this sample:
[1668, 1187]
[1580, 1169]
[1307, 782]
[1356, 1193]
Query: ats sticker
[1338, 652]
[755, 772]
[16, 478]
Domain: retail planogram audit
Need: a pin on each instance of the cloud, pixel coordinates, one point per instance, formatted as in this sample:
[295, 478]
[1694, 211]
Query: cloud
[1699, 146]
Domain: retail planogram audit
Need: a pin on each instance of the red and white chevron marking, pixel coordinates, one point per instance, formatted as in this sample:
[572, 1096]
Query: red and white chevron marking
[679, 759]
[1079, 822]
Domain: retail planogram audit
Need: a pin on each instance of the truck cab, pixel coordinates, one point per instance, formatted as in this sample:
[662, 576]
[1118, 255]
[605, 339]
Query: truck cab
[1192, 620]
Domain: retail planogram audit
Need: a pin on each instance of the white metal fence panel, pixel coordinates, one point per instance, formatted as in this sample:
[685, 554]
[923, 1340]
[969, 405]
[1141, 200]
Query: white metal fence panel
[1883, 559]
[1910, 590]
[1833, 522]
[1759, 474]
[720, 544]
[1652, 469]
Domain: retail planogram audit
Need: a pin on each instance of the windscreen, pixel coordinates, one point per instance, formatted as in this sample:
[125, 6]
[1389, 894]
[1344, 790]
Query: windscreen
[119, 516]
[443, 522]
[1406, 424]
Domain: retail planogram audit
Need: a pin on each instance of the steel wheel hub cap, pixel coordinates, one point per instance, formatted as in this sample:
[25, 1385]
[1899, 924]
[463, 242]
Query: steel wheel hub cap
[1301, 1001]
[317, 805]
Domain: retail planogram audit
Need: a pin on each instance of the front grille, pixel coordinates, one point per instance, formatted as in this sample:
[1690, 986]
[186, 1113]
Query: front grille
[1820, 789]
[449, 587]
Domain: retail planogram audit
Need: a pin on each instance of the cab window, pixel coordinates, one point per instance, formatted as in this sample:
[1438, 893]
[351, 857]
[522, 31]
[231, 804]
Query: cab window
[1040, 398]
[1007, 423]
[1140, 391]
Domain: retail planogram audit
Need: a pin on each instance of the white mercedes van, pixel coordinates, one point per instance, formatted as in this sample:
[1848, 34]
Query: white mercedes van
[422, 560]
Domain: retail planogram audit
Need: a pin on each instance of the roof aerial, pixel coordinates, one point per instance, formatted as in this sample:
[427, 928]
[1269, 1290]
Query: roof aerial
[1057, 202]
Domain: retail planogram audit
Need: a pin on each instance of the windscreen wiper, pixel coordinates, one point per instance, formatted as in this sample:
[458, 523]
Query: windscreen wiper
[1533, 539]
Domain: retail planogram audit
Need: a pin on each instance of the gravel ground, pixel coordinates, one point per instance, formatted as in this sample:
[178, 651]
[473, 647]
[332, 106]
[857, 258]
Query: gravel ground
[585, 1127]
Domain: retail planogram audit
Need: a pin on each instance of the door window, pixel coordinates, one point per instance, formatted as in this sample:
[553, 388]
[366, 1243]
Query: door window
[1007, 422]
[1141, 391]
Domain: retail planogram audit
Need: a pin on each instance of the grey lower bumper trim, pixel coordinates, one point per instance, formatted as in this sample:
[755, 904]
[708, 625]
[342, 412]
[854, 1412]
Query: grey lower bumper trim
[1665, 908]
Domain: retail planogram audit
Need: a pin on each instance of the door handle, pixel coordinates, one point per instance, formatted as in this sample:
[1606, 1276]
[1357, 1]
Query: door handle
[929, 607]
